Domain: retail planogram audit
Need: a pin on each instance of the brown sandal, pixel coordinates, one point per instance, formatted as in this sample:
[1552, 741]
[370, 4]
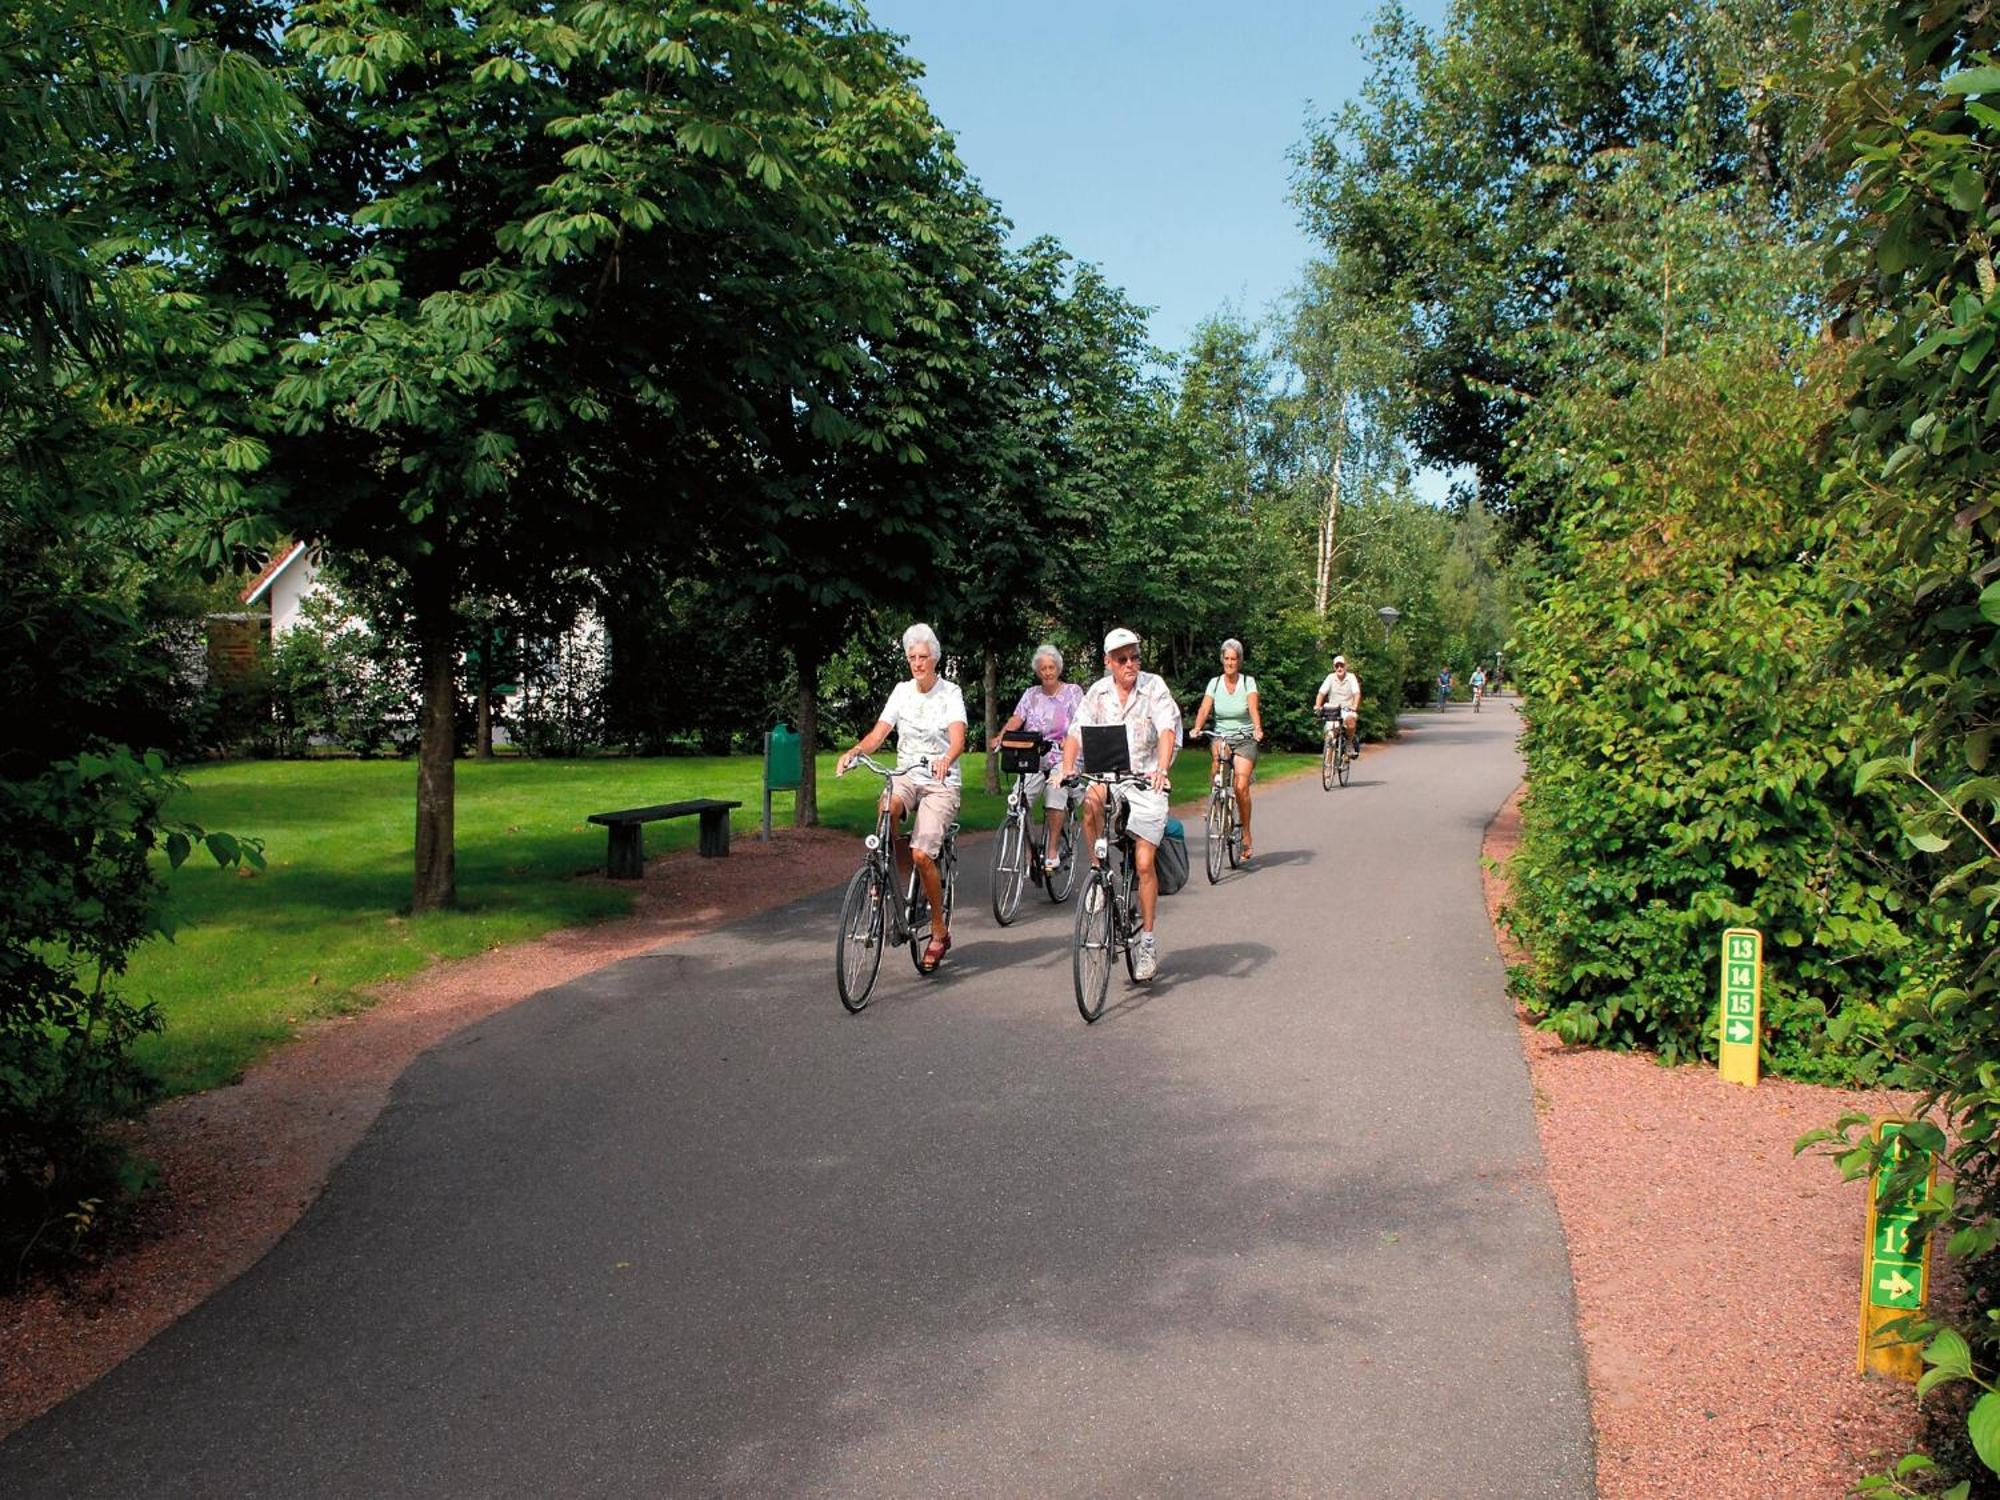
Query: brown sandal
[934, 954]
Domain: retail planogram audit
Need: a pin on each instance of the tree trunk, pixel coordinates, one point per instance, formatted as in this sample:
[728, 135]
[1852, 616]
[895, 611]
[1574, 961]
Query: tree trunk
[436, 883]
[992, 720]
[482, 741]
[1329, 525]
[805, 806]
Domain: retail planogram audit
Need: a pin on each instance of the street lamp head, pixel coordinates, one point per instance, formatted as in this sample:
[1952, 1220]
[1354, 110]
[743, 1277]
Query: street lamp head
[1388, 614]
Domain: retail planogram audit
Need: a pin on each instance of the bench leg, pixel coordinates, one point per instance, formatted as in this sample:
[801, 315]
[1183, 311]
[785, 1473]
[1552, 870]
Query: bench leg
[715, 833]
[627, 857]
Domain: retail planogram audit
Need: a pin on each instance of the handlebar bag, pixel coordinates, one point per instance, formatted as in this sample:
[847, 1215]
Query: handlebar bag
[1021, 752]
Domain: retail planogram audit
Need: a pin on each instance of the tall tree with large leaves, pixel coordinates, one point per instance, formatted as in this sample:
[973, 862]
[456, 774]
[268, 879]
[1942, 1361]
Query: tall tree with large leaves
[546, 293]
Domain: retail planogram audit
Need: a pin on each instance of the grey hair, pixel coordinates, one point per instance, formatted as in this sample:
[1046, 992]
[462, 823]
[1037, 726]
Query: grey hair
[1047, 649]
[1232, 644]
[923, 632]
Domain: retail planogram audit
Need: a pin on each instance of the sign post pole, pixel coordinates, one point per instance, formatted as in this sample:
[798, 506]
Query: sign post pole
[1742, 1004]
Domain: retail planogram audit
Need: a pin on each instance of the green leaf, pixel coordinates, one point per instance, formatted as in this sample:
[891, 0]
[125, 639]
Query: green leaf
[1948, 1353]
[1982, 1423]
[1930, 843]
[1974, 81]
[1989, 603]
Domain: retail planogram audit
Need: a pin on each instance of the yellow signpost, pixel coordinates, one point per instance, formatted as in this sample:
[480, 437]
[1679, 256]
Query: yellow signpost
[1895, 1270]
[1742, 1004]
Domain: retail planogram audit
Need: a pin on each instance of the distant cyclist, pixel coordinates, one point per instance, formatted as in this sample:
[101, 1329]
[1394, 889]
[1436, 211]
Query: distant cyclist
[1232, 697]
[1341, 689]
[1478, 685]
[1444, 686]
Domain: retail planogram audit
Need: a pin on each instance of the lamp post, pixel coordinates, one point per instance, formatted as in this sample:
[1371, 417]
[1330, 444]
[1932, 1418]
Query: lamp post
[1388, 614]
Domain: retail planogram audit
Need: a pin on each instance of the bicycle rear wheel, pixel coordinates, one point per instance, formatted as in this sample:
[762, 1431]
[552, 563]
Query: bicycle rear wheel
[1090, 960]
[1215, 834]
[858, 946]
[1327, 755]
[1345, 763]
[1234, 826]
[1060, 881]
[1010, 866]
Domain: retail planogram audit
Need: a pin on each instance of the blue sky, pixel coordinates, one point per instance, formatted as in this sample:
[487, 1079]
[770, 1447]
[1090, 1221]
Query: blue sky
[1150, 138]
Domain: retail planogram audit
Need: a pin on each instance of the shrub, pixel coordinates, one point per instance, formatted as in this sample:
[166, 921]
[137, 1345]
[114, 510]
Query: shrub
[1691, 758]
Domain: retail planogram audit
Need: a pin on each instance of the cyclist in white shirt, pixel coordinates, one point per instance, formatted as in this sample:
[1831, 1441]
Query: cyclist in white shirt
[1142, 703]
[927, 716]
[1341, 689]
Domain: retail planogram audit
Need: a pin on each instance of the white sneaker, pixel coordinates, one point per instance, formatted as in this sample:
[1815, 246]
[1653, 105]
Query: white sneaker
[1146, 963]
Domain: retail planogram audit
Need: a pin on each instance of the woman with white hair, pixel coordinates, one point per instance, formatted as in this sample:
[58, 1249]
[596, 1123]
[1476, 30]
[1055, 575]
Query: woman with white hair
[1046, 710]
[1232, 698]
[927, 716]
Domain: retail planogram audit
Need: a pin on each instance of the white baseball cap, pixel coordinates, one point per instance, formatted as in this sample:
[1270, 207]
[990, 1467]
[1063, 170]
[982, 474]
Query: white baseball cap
[1119, 637]
[1340, 661]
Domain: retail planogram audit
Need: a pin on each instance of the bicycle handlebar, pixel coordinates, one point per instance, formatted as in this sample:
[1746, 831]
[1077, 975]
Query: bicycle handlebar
[885, 772]
[1113, 778]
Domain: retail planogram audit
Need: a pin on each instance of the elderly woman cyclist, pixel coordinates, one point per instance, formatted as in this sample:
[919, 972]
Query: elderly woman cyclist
[1046, 710]
[1232, 697]
[927, 716]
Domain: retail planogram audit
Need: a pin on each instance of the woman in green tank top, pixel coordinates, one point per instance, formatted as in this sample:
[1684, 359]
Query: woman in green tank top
[1231, 697]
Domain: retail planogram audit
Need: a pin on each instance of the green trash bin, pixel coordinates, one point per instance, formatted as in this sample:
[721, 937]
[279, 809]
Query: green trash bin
[782, 771]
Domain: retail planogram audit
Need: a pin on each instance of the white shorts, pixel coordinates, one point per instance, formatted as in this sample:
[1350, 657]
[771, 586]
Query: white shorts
[1054, 794]
[1147, 818]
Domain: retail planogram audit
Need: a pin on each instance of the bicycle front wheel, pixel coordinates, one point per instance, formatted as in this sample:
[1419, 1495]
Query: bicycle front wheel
[1010, 867]
[1327, 755]
[1215, 834]
[1091, 959]
[858, 947]
[1060, 881]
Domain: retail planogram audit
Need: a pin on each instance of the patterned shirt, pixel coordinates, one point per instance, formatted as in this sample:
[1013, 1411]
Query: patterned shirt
[1149, 716]
[1048, 715]
[923, 721]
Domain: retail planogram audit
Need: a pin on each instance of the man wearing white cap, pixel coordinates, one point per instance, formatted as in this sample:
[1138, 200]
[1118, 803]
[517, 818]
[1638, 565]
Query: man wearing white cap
[1342, 690]
[1141, 702]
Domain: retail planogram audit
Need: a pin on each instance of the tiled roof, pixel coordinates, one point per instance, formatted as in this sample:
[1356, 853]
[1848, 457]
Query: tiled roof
[287, 554]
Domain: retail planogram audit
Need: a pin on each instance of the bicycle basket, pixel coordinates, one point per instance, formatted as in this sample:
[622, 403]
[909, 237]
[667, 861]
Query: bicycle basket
[1021, 752]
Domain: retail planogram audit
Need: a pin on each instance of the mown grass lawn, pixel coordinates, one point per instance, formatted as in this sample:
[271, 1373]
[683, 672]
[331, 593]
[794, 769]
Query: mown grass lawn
[256, 955]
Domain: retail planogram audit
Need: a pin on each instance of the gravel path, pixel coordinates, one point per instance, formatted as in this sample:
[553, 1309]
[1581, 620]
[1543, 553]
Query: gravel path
[1716, 1277]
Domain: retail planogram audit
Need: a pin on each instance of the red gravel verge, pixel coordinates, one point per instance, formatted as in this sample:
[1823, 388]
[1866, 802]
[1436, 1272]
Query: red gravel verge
[1718, 1277]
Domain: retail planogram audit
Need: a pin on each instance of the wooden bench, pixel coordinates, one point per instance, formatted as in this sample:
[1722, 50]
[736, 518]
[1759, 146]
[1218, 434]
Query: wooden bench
[626, 859]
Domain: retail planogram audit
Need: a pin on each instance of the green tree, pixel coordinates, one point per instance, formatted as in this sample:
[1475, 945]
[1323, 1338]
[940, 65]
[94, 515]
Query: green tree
[570, 277]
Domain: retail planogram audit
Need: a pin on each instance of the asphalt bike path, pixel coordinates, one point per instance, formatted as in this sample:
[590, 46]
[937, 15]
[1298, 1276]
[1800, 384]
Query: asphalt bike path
[1276, 1224]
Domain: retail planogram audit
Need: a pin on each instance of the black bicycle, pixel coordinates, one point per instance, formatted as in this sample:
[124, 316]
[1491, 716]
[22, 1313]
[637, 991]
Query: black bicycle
[1337, 752]
[1222, 823]
[1019, 849]
[873, 917]
[1107, 910]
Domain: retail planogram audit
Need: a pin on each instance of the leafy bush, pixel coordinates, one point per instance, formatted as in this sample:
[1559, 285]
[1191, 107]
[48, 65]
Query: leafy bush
[1690, 761]
[338, 680]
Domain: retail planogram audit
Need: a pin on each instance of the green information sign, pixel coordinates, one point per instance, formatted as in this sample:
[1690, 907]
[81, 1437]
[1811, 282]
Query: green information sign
[1742, 997]
[1896, 1261]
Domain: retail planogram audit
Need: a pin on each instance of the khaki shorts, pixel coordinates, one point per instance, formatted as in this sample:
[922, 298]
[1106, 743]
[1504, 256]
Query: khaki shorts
[1247, 751]
[1147, 818]
[936, 804]
[1048, 786]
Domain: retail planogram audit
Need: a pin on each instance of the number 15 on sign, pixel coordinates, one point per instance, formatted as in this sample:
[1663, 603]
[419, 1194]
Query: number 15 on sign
[1742, 1004]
